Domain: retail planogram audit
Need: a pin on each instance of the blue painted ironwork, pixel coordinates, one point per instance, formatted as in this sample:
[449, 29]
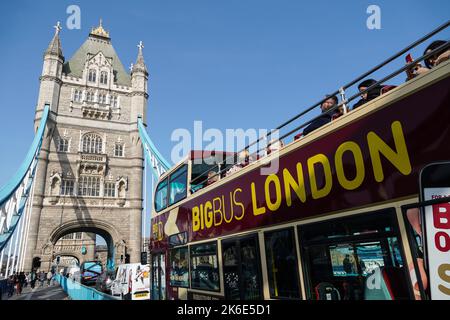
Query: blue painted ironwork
[15, 194]
[157, 162]
[77, 291]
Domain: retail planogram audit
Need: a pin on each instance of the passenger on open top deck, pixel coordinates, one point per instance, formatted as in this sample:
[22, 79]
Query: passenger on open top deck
[329, 103]
[431, 62]
[242, 161]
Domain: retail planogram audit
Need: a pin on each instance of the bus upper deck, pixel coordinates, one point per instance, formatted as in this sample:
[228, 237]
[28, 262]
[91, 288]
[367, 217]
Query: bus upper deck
[313, 189]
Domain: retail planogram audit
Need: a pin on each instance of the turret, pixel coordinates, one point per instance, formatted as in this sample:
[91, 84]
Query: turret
[139, 94]
[51, 74]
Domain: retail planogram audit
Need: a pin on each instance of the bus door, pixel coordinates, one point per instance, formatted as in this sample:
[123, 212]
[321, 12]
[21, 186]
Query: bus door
[241, 268]
[158, 287]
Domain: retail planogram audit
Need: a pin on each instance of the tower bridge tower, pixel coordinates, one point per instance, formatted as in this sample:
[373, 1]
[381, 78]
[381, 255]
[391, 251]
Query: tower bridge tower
[89, 177]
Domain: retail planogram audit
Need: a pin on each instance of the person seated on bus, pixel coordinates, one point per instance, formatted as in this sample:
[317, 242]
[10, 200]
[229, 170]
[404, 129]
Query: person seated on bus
[339, 112]
[329, 103]
[242, 161]
[368, 95]
[273, 146]
[212, 177]
[430, 62]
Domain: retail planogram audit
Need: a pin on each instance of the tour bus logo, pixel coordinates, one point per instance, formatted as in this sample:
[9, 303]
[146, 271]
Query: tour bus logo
[249, 145]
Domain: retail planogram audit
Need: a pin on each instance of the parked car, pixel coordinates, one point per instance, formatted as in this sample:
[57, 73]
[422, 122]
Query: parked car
[132, 282]
[105, 281]
[89, 272]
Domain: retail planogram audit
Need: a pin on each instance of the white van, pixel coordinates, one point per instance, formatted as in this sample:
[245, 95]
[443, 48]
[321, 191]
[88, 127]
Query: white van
[132, 282]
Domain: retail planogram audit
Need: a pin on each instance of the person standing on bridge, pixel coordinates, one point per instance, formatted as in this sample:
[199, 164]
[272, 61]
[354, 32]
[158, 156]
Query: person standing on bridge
[42, 278]
[33, 279]
[10, 286]
[49, 278]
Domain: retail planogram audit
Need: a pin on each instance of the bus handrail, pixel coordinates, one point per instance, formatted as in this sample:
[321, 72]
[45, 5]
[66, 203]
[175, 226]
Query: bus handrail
[336, 107]
[379, 66]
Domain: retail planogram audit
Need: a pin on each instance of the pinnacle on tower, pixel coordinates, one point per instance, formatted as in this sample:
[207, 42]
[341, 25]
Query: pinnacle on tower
[140, 66]
[99, 31]
[54, 48]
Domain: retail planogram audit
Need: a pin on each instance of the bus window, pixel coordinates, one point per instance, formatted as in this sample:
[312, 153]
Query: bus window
[355, 258]
[161, 196]
[241, 268]
[178, 181]
[179, 269]
[282, 267]
[204, 267]
[199, 176]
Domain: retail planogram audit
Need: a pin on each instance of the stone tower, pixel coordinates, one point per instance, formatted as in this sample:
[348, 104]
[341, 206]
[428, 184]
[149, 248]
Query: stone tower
[89, 177]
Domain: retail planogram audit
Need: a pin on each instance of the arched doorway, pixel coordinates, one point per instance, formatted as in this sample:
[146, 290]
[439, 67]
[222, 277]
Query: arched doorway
[36, 263]
[114, 244]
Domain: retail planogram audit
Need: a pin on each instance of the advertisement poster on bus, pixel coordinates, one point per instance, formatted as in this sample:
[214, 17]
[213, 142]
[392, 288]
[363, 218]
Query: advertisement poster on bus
[437, 231]
[140, 282]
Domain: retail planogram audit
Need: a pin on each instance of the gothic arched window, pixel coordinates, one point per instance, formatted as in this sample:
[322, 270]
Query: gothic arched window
[104, 77]
[77, 96]
[92, 75]
[102, 98]
[89, 96]
[114, 102]
[92, 143]
[89, 186]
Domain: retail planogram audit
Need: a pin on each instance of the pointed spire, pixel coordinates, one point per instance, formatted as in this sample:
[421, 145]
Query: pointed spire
[54, 48]
[140, 64]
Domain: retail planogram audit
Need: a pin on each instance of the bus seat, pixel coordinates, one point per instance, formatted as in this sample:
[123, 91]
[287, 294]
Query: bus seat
[326, 291]
[298, 136]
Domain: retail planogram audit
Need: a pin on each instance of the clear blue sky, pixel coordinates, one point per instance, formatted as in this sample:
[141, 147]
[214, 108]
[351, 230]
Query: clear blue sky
[230, 63]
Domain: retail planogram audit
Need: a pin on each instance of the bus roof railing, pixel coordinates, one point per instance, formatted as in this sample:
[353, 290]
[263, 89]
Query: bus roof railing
[345, 101]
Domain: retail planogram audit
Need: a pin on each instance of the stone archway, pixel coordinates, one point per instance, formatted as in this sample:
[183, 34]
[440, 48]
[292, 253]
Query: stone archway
[116, 244]
[66, 260]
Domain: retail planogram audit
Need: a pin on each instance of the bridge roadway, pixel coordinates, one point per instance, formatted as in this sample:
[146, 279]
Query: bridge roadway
[52, 292]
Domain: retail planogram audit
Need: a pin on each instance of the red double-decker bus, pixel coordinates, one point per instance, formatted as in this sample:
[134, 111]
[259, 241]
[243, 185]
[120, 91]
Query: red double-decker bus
[335, 221]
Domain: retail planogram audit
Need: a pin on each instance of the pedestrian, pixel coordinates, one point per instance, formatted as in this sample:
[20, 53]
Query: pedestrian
[16, 281]
[27, 279]
[33, 279]
[49, 278]
[21, 280]
[41, 278]
[10, 286]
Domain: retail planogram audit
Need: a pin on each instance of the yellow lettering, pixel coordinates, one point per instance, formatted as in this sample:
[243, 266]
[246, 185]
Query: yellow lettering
[208, 214]
[323, 160]
[298, 187]
[195, 219]
[273, 206]
[359, 164]
[231, 209]
[202, 223]
[256, 211]
[160, 231]
[240, 204]
[444, 274]
[217, 210]
[399, 158]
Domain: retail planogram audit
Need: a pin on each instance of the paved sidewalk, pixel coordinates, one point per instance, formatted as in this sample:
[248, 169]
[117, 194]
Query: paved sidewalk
[53, 292]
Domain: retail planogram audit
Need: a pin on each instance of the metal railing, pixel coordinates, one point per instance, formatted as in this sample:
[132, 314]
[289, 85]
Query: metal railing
[158, 164]
[77, 291]
[16, 199]
[343, 104]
